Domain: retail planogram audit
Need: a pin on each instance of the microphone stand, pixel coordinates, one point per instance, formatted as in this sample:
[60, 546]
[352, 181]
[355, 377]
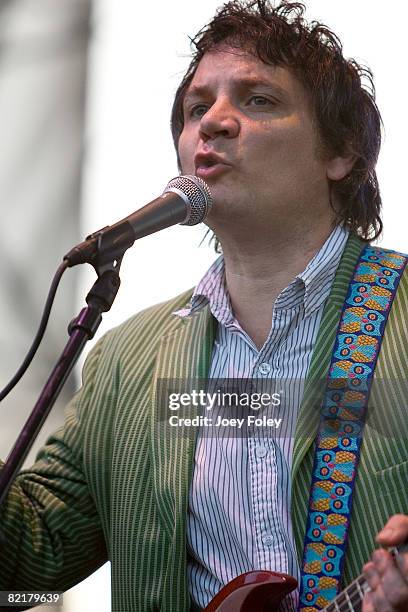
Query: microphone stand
[81, 329]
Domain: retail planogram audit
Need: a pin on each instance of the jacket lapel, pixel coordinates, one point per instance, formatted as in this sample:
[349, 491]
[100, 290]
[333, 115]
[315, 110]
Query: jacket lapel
[183, 356]
[309, 411]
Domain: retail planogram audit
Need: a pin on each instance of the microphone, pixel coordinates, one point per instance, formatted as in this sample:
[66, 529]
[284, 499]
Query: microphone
[186, 200]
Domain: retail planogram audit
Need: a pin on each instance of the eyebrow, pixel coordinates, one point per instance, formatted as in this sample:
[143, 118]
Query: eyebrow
[197, 91]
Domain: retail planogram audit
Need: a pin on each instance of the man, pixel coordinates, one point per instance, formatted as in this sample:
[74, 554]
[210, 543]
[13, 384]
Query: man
[274, 119]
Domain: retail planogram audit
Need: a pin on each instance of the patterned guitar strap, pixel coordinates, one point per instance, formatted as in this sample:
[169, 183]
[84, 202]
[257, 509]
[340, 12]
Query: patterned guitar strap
[365, 311]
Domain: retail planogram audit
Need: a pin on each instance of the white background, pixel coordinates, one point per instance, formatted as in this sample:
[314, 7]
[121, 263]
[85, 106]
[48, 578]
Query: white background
[139, 54]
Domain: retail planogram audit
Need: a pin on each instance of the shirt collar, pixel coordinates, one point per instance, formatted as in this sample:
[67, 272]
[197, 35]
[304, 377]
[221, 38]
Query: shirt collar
[211, 290]
[318, 276]
[310, 288]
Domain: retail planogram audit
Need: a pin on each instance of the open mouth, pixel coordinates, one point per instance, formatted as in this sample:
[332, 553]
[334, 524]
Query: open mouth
[207, 163]
[210, 168]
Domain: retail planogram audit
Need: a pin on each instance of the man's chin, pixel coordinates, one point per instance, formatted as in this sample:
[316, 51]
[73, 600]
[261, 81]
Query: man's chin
[226, 211]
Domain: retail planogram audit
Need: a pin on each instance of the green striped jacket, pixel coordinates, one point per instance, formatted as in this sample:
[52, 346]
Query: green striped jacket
[113, 484]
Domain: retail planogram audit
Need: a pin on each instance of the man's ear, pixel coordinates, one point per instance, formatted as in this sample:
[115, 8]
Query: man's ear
[339, 167]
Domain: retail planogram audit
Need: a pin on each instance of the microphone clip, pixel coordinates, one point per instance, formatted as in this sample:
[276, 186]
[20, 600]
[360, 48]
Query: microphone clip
[103, 249]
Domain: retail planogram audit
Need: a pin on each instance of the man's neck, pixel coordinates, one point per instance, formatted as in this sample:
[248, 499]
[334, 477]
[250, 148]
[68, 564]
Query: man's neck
[258, 271]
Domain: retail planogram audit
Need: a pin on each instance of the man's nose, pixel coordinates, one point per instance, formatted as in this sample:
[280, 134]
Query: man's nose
[220, 120]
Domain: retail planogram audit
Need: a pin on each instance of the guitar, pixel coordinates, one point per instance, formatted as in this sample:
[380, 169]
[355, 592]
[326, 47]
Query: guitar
[262, 591]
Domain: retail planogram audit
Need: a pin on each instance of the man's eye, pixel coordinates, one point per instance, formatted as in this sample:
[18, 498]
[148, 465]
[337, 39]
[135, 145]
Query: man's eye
[260, 101]
[198, 111]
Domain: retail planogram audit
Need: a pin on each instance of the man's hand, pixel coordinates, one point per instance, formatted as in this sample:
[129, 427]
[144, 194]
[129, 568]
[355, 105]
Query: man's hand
[388, 576]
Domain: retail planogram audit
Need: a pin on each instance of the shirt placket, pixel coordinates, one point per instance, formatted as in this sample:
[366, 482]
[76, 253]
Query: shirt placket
[271, 548]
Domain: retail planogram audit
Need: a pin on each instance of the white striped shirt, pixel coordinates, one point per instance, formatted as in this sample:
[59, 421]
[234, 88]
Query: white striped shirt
[239, 502]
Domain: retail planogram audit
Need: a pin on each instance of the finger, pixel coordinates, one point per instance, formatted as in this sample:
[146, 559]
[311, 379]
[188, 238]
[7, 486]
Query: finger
[390, 589]
[401, 561]
[368, 603]
[379, 601]
[371, 575]
[394, 585]
[382, 560]
[395, 531]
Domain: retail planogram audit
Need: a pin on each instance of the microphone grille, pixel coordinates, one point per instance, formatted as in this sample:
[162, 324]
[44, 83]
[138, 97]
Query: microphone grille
[197, 193]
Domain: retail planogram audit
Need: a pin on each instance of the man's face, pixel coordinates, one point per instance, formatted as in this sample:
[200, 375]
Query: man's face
[248, 132]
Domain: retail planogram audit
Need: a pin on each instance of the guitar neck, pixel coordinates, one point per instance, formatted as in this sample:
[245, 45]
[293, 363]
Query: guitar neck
[351, 599]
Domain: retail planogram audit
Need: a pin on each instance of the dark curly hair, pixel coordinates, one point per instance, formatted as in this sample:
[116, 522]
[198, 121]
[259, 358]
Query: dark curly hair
[342, 94]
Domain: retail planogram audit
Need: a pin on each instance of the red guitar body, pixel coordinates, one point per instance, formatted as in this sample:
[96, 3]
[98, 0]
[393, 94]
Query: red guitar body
[259, 591]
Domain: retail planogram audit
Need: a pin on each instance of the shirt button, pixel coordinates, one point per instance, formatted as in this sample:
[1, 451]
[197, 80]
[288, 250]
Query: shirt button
[267, 540]
[264, 368]
[261, 451]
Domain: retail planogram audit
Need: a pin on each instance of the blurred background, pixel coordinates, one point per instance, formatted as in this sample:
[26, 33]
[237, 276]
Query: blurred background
[85, 96]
